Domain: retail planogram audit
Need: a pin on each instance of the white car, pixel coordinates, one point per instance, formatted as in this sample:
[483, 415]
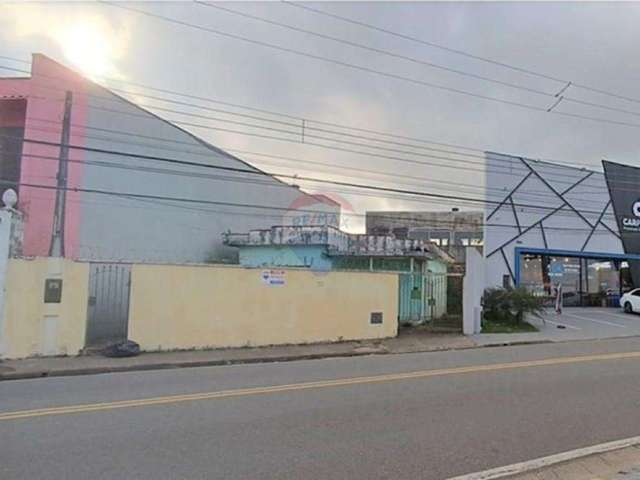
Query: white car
[630, 301]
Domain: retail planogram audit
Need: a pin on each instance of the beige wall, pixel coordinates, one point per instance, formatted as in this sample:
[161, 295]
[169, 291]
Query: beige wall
[32, 327]
[175, 307]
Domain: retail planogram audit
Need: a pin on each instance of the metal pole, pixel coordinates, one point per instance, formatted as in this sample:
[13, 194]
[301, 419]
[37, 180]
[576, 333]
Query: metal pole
[56, 248]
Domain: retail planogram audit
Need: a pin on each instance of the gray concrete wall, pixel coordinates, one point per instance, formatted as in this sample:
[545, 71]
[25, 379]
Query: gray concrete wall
[425, 221]
[116, 228]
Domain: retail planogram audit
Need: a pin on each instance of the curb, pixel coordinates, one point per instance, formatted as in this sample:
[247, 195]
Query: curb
[242, 361]
[551, 460]
[178, 365]
[517, 343]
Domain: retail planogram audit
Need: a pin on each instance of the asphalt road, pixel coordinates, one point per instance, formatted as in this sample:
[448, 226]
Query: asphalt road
[504, 406]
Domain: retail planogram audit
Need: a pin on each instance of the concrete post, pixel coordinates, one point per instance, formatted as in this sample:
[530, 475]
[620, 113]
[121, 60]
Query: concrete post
[11, 230]
[472, 291]
[6, 215]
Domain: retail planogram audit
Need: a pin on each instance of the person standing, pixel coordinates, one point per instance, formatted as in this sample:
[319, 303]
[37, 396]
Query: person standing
[559, 298]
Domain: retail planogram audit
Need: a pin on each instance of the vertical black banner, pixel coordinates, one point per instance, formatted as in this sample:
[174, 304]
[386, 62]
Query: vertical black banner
[623, 182]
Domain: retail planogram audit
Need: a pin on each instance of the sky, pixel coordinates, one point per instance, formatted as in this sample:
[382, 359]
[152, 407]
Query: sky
[593, 44]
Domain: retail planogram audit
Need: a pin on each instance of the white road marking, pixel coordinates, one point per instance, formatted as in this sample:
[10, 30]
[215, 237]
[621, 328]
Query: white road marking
[523, 467]
[603, 322]
[562, 324]
[622, 316]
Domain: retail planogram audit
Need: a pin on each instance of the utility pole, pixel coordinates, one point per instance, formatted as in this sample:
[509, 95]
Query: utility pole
[56, 249]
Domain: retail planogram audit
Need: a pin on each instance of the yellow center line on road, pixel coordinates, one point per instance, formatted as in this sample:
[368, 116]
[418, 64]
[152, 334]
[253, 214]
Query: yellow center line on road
[242, 392]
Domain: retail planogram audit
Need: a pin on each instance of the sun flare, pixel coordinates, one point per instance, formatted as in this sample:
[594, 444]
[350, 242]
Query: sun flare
[88, 46]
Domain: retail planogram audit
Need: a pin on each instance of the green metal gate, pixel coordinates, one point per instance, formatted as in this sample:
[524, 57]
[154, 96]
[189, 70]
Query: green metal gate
[422, 297]
[411, 305]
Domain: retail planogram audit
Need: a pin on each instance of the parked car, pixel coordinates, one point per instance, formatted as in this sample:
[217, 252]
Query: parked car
[630, 301]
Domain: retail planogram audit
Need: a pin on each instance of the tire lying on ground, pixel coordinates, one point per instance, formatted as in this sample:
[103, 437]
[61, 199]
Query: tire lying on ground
[127, 348]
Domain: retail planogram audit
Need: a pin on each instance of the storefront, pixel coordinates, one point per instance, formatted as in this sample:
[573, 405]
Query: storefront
[588, 279]
[549, 225]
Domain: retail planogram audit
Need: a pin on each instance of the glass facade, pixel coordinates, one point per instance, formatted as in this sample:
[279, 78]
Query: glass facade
[585, 281]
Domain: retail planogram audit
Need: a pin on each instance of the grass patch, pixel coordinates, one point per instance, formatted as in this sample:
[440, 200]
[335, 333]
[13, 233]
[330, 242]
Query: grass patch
[491, 326]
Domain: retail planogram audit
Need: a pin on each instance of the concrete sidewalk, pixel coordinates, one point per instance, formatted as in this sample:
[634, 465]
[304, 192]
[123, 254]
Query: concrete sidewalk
[415, 341]
[621, 464]
[412, 340]
[575, 323]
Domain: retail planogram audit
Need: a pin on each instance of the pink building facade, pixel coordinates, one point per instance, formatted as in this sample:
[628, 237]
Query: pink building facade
[117, 227]
[35, 107]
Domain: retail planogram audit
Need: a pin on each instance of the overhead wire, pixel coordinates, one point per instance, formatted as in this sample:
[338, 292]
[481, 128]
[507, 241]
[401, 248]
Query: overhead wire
[188, 200]
[546, 94]
[307, 120]
[528, 71]
[374, 49]
[499, 191]
[297, 177]
[507, 168]
[367, 69]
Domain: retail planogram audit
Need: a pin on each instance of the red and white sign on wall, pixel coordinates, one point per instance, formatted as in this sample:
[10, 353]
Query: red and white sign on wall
[273, 278]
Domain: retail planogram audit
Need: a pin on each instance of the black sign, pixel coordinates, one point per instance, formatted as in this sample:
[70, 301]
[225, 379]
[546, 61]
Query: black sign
[624, 190]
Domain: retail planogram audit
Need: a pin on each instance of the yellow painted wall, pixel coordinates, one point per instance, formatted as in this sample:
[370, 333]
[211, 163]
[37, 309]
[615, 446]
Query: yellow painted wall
[174, 307]
[32, 327]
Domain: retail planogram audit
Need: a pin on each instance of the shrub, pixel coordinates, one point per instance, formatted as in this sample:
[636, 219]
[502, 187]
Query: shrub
[510, 305]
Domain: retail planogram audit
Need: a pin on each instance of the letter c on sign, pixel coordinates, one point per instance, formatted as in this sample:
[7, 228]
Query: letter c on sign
[636, 208]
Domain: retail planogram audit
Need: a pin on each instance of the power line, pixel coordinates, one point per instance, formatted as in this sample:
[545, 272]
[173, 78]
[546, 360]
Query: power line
[200, 175]
[462, 52]
[335, 140]
[367, 146]
[318, 137]
[271, 120]
[317, 57]
[506, 169]
[200, 153]
[499, 191]
[367, 69]
[298, 160]
[234, 179]
[296, 177]
[271, 137]
[295, 133]
[421, 62]
[245, 107]
[376, 50]
[137, 196]
[423, 42]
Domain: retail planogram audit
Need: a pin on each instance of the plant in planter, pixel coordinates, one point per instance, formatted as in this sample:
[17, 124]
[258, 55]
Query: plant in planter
[511, 305]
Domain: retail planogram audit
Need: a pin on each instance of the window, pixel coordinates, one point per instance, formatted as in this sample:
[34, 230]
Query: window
[401, 232]
[12, 117]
